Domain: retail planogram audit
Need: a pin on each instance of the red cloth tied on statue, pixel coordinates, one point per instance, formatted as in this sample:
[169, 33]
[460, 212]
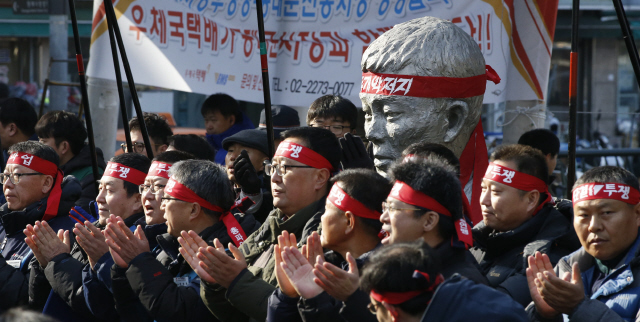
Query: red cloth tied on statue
[518, 180]
[159, 169]
[395, 298]
[606, 190]
[126, 173]
[474, 158]
[295, 151]
[179, 191]
[47, 168]
[344, 202]
[406, 194]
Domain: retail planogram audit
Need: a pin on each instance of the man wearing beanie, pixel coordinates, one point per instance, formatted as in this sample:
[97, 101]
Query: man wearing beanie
[246, 152]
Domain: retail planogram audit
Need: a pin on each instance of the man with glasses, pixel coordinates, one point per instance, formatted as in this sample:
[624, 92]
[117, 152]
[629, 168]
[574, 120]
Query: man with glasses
[35, 192]
[196, 202]
[405, 284]
[333, 113]
[300, 173]
[61, 270]
[159, 134]
[426, 203]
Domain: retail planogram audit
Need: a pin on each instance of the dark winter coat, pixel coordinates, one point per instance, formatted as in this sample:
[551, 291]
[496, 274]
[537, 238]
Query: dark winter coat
[16, 255]
[248, 294]
[502, 256]
[80, 166]
[154, 281]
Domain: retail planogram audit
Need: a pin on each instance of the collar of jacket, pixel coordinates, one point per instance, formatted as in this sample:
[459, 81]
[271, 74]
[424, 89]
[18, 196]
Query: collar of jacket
[448, 254]
[336, 259]
[275, 224]
[16, 220]
[216, 139]
[82, 160]
[499, 242]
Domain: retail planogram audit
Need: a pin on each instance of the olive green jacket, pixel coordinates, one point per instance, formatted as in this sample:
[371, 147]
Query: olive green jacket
[248, 295]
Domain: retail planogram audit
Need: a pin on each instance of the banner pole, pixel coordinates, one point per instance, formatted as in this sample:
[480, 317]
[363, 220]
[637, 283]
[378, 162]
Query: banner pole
[116, 66]
[573, 100]
[628, 38]
[265, 79]
[111, 15]
[85, 96]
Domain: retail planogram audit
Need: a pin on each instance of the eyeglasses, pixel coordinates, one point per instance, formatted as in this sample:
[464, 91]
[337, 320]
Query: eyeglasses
[138, 147]
[335, 129]
[15, 177]
[373, 308]
[163, 199]
[280, 169]
[386, 208]
[143, 188]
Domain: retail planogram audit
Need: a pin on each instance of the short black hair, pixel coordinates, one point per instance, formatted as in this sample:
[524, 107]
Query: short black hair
[21, 113]
[38, 149]
[136, 161]
[527, 159]
[425, 149]
[193, 144]
[224, 103]
[367, 187]
[62, 126]
[608, 174]
[157, 127]
[173, 156]
[541, 139]
[435, 178]
[333, 106]
[320, 140]
[390, 269]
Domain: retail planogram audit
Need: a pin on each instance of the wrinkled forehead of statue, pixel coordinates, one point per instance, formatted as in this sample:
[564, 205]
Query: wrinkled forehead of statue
[426, 46]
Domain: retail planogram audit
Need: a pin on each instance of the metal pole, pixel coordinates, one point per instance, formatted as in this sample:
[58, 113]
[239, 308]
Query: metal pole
[265, 79]
[573, 97]
[111, 15]
[116, 65]
[628, 38]
[85, 96]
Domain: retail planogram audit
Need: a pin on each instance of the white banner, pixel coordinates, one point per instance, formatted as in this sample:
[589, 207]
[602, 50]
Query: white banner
[313, 47]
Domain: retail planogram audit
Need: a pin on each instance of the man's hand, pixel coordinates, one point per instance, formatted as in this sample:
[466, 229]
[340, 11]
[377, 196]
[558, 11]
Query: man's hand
[335, 281]
[123, 242]
[313, 248]
[284, 240]
[92, 241]
[565, 294]
[219, 265]
[190, 243]
[299, 272]
[246, 175]
[45, 243]
[354, 153]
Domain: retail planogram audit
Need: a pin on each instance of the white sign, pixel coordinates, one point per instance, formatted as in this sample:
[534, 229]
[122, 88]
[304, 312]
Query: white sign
[313, 47]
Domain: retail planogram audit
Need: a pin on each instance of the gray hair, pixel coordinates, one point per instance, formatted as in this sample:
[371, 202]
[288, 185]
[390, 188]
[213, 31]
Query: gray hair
[428, 46]
[206, 179]
[38, 149]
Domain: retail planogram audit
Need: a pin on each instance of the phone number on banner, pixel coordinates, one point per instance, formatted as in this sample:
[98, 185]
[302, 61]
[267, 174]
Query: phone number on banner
[295, 85]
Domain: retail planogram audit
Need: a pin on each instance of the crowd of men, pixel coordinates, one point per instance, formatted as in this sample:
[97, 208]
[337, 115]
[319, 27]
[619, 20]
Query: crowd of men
[217, 229]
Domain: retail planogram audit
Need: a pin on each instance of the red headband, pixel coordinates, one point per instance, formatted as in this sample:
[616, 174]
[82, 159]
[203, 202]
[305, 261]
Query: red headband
[427, 86]
[405, 193]
[122, 172]
[518, 180]
[179, 191]
[47, 168]
[395, 298]
[159, 169]
[303, 154]
[606, 190]
[344, 202]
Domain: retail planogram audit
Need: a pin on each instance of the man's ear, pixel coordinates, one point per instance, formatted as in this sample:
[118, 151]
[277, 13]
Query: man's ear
[233, 119]
[64, 147]
[47, 185]
[322, 177]
[162, 148]
[636, 212]
[136, 205]
[351, 222]
[195, 210]
[456, 112]
[431, 219]
[532, 198]
[12, 129]
[392, 310]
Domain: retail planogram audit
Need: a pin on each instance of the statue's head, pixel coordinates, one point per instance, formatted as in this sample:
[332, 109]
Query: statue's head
[439, 110]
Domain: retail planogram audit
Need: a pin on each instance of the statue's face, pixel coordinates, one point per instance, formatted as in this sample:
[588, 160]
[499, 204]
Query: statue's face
[394, 122]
